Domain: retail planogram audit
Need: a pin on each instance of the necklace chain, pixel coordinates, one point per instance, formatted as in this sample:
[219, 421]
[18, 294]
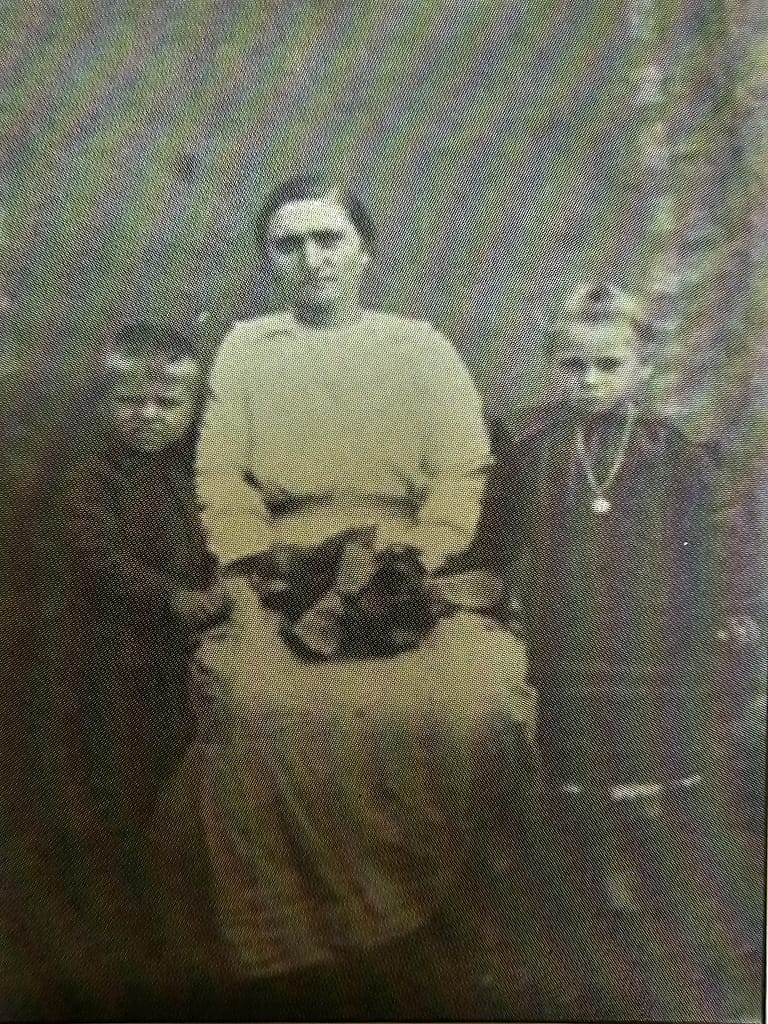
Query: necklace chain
[599, 489]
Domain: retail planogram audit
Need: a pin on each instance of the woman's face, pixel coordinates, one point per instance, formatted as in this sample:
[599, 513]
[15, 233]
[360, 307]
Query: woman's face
[317, 253]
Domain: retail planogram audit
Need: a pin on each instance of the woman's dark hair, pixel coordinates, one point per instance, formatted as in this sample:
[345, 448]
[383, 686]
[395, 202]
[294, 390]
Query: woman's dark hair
[302, 187]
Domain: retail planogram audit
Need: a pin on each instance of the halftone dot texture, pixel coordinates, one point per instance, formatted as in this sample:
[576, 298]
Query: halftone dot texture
[508, 150]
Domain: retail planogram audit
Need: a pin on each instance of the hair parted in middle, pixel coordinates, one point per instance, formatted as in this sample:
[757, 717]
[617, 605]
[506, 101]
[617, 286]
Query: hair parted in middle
[604, 302]
[312, 186]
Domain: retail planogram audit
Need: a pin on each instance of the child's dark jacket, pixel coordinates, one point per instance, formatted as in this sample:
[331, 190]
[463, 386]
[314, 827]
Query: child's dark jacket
[134, 539]
[619, 608]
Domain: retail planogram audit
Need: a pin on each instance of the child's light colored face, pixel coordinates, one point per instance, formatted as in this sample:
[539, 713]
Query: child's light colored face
[150, 415]
[596, 366]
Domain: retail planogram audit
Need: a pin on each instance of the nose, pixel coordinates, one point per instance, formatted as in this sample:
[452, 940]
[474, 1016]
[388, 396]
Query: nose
[591, 376]
[149, 411]
[313, 254]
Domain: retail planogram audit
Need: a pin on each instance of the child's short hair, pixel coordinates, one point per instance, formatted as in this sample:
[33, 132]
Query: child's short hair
[603, 303]
[148, 340]
[150, 348]
[148, 351]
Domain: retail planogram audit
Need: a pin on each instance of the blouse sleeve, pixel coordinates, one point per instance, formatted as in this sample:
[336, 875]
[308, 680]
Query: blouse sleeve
[455, 456]
[234, 514]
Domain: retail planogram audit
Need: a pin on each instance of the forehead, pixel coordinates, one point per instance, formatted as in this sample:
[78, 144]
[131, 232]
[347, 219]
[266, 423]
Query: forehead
[148, 362]
[611, 339]
[142, 388]
[309, 216]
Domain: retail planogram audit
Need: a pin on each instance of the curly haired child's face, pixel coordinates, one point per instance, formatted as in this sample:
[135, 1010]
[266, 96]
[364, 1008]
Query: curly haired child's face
[149, 416]
[597, 366]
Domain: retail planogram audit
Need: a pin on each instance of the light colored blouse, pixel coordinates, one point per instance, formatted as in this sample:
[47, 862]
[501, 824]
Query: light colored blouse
[340, 798]
[311, 431]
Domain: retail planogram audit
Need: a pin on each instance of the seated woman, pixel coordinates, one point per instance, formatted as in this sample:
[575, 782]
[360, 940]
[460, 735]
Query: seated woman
[352, 708]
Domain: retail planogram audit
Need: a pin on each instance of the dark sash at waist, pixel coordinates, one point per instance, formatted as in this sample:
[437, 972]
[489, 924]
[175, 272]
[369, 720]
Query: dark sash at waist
[285, 505]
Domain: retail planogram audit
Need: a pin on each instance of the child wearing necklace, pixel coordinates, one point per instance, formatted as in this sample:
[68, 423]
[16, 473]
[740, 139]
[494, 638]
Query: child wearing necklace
[601, 515]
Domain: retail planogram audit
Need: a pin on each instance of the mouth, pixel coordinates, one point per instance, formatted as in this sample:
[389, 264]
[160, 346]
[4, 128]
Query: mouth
[590, 400]
[146, 433]
[148, 444]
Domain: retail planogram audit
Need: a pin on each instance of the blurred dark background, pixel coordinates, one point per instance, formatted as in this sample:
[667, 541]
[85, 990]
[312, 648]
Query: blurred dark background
[508, 149]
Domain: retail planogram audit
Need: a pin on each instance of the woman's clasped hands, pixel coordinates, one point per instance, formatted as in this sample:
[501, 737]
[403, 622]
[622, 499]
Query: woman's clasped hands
[200, 609]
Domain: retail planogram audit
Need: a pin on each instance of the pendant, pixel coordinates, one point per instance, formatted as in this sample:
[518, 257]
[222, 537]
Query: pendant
[601, 505]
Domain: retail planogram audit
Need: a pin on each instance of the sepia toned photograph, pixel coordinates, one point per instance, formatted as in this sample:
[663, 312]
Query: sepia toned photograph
[383, 550]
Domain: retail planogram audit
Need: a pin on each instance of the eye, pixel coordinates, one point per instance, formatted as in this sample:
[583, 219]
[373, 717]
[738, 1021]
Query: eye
[608, 365]
[573, 365]
[327, 239]
[169, 403]
[286, 244]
